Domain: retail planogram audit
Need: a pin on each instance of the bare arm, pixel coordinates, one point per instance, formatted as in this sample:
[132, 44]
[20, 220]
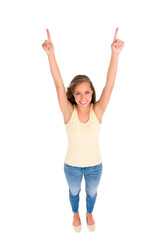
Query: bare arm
[112, 70]
[64, 103]
[116, 46]
[55, 69]
[49, 49]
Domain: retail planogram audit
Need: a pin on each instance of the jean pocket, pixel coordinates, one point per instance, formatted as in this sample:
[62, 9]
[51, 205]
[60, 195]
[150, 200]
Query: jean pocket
[98, 166]
[67, 166]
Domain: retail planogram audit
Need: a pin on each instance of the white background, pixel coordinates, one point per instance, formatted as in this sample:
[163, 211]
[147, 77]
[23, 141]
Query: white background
[132, 195]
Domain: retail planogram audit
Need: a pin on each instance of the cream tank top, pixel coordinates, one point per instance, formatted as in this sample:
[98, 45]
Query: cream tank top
[83, 141]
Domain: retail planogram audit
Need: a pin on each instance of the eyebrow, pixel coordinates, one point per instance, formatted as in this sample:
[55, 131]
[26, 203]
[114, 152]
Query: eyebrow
[85, 91]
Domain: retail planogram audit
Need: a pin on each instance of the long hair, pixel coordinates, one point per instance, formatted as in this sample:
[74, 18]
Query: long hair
[75, 81]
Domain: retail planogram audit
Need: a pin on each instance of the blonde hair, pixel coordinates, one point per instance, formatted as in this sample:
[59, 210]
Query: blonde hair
[75, 81]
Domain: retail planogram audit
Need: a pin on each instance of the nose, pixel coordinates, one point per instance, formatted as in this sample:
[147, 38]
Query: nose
[82, 97]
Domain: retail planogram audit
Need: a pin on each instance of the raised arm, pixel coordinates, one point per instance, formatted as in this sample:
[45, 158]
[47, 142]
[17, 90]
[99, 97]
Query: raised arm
[49, 49]
[64, 103]
[116, 48]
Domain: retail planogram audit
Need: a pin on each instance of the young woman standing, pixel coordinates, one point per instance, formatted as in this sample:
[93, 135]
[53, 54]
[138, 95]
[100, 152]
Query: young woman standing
[82, 120]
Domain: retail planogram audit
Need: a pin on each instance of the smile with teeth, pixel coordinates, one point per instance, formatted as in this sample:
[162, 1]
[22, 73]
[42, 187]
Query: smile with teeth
[83, 103]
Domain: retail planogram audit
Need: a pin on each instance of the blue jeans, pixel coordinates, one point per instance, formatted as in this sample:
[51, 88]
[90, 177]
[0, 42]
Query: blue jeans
[92, 177]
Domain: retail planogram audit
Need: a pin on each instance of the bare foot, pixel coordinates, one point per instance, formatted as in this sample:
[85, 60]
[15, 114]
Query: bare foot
[76, 219]
[90, 219]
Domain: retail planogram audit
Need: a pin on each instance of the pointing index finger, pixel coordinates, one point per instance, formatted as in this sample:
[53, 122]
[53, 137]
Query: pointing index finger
[116, 33]
[48, 34]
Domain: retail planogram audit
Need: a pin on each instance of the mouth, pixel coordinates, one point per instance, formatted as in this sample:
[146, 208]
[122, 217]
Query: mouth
[84, 102]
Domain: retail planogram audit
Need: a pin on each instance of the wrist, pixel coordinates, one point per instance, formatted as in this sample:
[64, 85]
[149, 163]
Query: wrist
[115, 54]
[51, 54]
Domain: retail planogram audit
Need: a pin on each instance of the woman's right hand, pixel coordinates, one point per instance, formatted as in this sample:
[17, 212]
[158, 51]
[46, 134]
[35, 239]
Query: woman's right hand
[48, 45]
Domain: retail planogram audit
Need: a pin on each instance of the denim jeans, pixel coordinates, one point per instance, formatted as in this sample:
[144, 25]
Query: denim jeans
[92, 177]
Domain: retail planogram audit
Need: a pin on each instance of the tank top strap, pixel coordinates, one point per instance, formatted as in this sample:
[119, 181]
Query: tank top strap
[75, 108]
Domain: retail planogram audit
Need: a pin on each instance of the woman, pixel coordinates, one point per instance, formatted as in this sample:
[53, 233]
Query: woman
[82, 119]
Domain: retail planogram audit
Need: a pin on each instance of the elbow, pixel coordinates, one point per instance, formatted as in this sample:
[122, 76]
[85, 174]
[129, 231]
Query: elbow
[110, 86]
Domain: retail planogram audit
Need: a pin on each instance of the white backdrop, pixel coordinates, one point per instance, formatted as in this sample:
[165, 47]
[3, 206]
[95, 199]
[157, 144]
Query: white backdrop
[132, 195]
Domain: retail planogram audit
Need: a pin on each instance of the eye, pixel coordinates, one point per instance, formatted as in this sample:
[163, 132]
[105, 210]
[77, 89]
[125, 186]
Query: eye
[77, 93]
[87, 92]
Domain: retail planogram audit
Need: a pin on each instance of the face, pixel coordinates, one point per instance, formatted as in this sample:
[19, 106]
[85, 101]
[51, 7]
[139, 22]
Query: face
[83, 94]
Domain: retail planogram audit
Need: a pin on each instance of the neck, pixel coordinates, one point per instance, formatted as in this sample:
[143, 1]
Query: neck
[83, 109]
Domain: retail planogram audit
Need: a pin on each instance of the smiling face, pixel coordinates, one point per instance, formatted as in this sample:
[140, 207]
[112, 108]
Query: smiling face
[83, 94]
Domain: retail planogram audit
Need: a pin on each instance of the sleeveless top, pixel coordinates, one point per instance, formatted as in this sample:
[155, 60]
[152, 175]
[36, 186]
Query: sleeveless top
[83, 143]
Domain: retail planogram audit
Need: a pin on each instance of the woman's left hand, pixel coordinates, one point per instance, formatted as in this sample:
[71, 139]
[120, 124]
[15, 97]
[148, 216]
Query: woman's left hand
[117, 44]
